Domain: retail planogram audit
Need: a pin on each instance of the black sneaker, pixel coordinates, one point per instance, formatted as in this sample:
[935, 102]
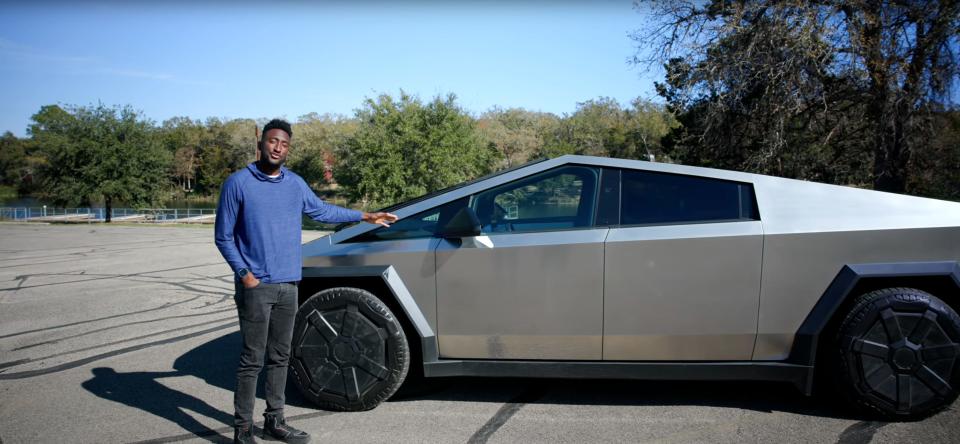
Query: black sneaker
[243, 435]
[276, 427]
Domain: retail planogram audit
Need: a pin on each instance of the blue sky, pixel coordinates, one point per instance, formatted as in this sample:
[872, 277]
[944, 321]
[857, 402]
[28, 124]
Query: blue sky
[223, 59]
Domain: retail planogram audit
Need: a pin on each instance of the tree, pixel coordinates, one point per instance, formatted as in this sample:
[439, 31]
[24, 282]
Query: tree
[650, 122]
[316, 140]
[227, 146]
[842, 91]
[602, 127]
[241, 138]
[99, 153]
[12, 156]
[598, 127]
[16, 163]
[937, 163]
[516, 134]
[404, 148]
[183, 138]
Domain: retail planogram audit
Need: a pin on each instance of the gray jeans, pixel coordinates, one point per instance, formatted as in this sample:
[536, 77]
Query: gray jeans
[267, 312]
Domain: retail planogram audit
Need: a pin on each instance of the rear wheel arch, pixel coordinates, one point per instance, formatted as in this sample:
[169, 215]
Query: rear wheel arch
[941, 279]
[896, 354]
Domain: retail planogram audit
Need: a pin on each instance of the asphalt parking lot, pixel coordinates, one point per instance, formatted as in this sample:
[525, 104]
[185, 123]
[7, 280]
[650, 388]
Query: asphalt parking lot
[129, 334]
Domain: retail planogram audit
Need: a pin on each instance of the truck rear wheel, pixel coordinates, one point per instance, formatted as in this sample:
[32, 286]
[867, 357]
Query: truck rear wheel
[898, 354]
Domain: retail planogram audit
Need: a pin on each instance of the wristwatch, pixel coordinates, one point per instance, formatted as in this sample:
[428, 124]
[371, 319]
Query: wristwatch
[242, 273]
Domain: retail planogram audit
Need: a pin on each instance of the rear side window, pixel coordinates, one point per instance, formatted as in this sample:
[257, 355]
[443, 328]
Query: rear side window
[659, 198]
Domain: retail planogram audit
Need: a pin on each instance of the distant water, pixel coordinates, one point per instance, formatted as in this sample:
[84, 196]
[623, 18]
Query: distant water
[21, 202]
[31, 202]
[179, 203]
[190, 203]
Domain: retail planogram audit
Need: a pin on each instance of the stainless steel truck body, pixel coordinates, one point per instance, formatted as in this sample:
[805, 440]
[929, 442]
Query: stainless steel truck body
[607, 268]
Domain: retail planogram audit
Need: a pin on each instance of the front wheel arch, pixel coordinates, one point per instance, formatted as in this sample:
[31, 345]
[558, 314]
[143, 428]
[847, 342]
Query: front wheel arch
[421, 341]
[348, 351]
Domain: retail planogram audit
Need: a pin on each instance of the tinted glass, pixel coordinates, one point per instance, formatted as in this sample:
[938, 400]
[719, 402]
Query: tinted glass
[558, 199]
[423, 224]
[656, 198]
[608, 209]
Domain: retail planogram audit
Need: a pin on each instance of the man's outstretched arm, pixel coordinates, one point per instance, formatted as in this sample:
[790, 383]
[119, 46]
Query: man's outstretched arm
[380, 218]
[320, 211]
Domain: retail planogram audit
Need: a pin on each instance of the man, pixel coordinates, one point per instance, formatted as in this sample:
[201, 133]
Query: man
[258, 233]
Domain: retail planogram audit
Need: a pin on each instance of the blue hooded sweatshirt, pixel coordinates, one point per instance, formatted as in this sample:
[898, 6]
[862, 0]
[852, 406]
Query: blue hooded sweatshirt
[259, 222]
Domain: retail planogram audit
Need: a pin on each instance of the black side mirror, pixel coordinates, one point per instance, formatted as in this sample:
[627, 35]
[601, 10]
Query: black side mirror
[463, 224]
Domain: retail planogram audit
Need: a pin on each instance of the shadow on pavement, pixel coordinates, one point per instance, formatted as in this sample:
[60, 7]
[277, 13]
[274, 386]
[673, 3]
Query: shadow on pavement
[142, 390]
[750, 395]
[214, 362]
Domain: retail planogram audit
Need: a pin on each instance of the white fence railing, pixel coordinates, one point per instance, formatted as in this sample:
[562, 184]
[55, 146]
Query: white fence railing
[91, 215]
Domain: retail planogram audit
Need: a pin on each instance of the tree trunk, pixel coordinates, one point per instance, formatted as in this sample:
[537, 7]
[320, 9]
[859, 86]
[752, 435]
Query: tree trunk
[888, 176]
[108, 203]
[890, 152]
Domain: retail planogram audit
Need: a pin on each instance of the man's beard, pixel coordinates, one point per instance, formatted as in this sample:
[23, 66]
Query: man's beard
[266, 159]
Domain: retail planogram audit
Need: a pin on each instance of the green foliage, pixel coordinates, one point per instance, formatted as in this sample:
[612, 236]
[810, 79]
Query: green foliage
[317, 139]
[404, 148]
[12, 156]
[516, 134]
[99, 153]
[7, 192]
[183, 139]
[16, 166]
[227, 146]
[598, 127]
[205, 153]
[602, 127]
[937, 163]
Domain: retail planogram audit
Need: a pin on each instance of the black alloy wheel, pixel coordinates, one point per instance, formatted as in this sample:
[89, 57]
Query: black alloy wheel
[899, 353]
[349, 350]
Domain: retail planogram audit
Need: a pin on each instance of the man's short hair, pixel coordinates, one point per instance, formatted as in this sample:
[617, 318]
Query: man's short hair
[278, 124]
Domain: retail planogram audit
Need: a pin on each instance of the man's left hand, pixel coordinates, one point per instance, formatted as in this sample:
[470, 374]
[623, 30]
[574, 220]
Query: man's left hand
[380, 218]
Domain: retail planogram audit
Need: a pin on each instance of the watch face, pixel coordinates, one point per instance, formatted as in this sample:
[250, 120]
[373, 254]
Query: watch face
[242, 272]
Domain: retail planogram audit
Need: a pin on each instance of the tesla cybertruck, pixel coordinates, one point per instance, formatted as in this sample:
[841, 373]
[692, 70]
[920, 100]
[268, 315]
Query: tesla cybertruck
[587, 267]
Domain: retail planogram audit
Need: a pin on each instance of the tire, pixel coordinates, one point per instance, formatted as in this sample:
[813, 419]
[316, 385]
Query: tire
[898, 354]
[349, 350]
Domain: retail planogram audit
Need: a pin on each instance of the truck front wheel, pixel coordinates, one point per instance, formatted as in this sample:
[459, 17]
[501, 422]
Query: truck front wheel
[349, 352]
